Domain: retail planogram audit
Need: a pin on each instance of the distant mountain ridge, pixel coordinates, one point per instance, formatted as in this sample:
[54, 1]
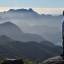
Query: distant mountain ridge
[11, 30]
[29, 21]
[21, 10]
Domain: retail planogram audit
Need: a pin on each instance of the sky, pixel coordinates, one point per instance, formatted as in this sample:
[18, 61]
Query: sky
[41, 6]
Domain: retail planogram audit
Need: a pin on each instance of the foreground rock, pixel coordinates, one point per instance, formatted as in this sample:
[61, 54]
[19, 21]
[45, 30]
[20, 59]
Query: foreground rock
[54, 60]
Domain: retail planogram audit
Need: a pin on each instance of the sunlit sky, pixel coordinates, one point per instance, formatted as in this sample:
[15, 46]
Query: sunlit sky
[41, 6]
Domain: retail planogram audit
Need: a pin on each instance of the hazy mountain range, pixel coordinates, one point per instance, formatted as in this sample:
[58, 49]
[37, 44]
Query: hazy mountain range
[10, 48]
[14, 42]
[25, 33]
[47, 26]
[11, 30]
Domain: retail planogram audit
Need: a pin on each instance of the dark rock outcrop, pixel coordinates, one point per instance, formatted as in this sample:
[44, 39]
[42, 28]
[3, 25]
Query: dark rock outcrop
[54, 60]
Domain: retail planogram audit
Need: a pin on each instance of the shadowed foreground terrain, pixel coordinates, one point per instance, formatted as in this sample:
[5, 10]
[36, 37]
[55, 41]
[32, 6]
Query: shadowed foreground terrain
[18, 61]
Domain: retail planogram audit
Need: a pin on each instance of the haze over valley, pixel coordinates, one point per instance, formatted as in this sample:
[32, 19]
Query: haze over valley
[29, 21]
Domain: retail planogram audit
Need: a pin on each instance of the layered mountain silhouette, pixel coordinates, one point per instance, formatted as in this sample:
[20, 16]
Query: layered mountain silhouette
[14, 42]
[20, 41]
[31, 22]
[31, 50]
[11, 30]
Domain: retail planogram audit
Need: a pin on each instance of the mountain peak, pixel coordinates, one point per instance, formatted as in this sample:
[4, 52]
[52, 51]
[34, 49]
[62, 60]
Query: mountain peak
[30, 10]
[21, 10]
[11, 30]
[7, 23]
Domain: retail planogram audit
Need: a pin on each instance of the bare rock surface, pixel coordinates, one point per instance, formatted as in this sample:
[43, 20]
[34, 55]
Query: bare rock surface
[54, 60]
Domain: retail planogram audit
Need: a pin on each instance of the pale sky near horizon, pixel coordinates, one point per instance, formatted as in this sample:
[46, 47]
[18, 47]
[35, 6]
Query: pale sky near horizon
[41, 6]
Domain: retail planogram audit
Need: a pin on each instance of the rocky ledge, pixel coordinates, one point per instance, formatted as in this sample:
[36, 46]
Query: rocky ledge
[54, 60]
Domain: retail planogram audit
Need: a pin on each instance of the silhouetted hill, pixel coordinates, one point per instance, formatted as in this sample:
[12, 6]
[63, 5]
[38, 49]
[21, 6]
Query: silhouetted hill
[32, 50]
[13, 31]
